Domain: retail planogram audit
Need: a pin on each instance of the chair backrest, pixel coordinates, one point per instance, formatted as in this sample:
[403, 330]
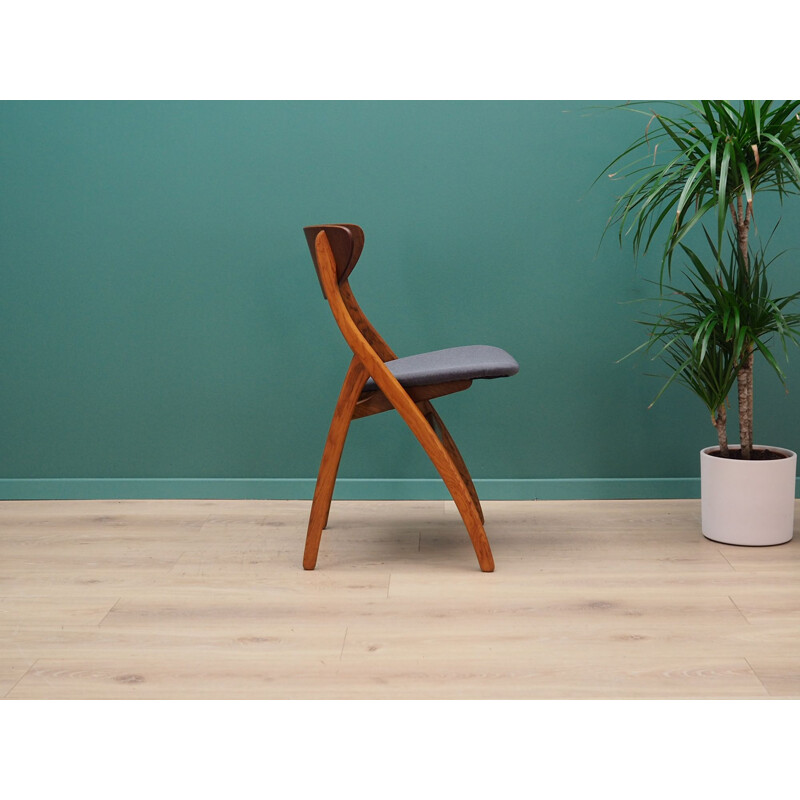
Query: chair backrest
[346, 241]
[344, 244]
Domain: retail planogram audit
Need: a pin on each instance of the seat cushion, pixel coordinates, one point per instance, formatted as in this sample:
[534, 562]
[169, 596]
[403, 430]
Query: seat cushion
[452, 364]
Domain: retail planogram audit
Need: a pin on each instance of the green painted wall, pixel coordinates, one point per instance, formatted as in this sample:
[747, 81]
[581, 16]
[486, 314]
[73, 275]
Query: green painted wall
[160, 316]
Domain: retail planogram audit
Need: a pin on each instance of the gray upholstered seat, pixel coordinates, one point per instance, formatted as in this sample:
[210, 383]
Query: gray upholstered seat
[452, 364]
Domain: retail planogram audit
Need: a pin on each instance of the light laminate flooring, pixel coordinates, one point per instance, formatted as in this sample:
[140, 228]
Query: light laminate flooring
[207, 599]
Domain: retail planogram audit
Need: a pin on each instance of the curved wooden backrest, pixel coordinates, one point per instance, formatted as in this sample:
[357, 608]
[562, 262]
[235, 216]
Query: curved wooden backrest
[346, 241]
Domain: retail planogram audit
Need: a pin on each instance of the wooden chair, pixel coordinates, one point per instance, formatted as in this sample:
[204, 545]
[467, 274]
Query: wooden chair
[378, 380]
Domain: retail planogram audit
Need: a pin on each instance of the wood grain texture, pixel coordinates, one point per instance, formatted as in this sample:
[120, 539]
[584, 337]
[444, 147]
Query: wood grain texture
[435, 421]
[367, 329]
[376, 402]
[331, 457]
[206, 599]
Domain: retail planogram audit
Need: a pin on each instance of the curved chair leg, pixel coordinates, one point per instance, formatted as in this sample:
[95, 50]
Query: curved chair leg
[323, 491]
[451, 475]
[449, 444]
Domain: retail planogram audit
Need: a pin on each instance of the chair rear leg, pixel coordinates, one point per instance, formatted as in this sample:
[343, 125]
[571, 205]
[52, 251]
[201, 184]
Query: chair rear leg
[334, 445]
[449, 444]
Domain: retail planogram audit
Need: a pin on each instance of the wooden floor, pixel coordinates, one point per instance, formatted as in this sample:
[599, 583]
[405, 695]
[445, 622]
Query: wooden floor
[207, 599]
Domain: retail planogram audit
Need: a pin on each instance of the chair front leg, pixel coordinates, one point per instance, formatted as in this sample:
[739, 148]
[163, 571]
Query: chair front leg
[449, 472]
[449, 444]
[334, 445]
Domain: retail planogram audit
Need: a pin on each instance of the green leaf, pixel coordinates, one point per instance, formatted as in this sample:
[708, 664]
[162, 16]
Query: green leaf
[694, 175]
[722, 196]
[764, 350]
[748, 191]
[790, 160]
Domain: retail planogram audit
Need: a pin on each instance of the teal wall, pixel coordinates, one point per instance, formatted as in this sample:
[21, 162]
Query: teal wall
[162, 332]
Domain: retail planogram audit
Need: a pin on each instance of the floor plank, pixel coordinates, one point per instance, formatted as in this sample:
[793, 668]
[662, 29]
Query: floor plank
[208, 599]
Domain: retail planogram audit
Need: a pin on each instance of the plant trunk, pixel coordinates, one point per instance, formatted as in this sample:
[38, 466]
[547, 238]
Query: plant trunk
[745, 375]
[720, 421]
[745, 381]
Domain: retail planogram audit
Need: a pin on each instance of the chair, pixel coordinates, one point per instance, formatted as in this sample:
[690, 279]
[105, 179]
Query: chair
[378, 381]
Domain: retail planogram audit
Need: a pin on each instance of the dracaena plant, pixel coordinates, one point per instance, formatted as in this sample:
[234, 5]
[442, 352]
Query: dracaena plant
[705, 330]
[712, 158]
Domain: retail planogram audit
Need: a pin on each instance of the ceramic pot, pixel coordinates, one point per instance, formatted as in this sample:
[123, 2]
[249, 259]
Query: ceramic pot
[747, 502]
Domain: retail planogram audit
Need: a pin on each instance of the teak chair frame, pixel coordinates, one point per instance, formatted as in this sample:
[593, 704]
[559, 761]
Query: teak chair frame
[370, 352]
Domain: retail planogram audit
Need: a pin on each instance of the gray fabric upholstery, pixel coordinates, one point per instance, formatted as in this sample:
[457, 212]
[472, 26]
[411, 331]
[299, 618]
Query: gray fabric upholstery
[452, 364]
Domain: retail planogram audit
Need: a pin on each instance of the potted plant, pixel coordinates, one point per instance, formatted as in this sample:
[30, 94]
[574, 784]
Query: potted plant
[713, 159]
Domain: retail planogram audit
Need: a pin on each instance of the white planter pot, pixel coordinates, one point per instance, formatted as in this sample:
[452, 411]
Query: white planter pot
[747, 502]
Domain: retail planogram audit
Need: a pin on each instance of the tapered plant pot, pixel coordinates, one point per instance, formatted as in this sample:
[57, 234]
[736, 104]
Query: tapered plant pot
[748, 502]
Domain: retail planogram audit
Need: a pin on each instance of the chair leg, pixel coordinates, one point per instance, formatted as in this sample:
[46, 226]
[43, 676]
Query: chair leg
[449, 444]
[323, 491]
[451, 475]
